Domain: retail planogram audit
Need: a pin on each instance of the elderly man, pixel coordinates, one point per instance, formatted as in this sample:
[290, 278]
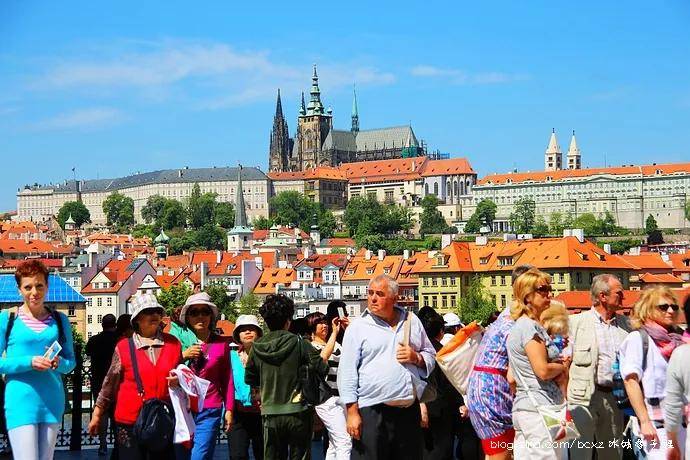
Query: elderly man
[381, 380]
[596, 336]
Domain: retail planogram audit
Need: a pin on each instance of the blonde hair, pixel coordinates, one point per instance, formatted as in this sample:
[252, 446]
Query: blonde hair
[646, 307]
[555, 318]
[526, 285]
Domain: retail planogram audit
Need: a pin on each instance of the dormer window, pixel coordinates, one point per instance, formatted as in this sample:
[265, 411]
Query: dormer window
[483, 260]
[350, 271]
[503, 261]
[386, 270]
[370, 271]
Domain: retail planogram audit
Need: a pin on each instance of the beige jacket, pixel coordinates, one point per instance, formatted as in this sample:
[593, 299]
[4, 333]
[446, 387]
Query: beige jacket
[583, 370]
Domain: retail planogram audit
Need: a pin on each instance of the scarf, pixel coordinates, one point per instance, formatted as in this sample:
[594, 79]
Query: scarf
[664, 340]
[242, 390]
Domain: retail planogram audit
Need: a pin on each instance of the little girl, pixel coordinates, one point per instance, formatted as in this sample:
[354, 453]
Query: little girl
[555, 321]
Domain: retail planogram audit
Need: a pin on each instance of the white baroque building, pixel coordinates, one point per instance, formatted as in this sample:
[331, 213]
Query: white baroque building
[630, 193]
[40, 202]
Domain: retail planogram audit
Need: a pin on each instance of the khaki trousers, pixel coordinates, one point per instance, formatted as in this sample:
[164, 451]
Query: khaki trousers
[601, 427]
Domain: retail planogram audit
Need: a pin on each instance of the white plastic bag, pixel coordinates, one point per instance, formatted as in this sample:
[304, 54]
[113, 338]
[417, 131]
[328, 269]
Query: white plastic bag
[456, 358]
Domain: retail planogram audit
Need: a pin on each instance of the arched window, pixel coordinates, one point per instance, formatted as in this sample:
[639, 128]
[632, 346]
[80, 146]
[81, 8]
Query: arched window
[426, 189]
[436, 188]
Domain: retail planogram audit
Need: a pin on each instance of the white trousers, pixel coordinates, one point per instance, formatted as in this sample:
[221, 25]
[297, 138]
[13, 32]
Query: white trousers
[34, 442]
[532, 441]
[332, 415]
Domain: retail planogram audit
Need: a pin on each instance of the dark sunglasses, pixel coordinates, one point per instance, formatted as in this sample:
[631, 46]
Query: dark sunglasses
[665, 306]
[199, 312]
[545, 289]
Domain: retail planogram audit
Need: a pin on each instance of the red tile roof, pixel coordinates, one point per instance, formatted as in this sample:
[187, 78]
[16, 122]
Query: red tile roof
[542, 176]
[340, 242]
[446, 167]
[660, 278]
[33, 247]
[399, 169]
[273, 276]
[322, 172]
[261, 235]
[680, 262]
[647, 261]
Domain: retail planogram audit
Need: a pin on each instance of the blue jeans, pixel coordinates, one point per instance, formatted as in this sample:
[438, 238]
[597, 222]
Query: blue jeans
[205, 438]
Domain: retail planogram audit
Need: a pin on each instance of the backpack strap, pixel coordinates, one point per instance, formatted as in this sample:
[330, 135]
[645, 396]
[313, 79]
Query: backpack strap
[58, 321]
[10, 324]
[135, 366]
[645, 348]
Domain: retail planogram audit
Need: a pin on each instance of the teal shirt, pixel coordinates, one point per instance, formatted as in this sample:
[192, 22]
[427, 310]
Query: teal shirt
[31, 396]
[185, 335]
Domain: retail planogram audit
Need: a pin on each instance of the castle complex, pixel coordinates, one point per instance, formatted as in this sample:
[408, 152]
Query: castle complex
[317, 143]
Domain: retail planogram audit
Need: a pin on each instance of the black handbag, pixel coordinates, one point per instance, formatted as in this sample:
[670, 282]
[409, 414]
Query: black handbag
[155, 425]
[314, 389]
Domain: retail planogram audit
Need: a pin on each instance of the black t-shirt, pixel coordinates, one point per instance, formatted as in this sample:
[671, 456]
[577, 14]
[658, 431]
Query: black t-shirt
[100, 349]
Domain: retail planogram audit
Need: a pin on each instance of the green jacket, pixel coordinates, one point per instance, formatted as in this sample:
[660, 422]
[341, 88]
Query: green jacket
[273, 365]
[186, 336]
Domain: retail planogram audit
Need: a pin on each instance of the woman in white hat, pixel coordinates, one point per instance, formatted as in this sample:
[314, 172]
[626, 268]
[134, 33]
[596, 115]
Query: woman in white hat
[246, 426]
[210, 360]
[156, 354]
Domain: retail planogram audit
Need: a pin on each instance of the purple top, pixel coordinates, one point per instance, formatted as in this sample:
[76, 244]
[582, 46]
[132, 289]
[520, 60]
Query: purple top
[492, 350]
[214, 366]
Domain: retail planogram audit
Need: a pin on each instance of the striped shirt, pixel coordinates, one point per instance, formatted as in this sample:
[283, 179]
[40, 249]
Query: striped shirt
[36, 325]
[333, 362]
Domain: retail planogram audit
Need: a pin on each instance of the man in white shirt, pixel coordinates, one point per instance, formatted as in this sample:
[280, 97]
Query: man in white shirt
[596, 336]
[381, 380]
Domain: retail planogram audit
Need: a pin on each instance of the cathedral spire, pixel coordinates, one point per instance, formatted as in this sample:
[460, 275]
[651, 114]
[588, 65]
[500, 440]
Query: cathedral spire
[279, 106]
[302, 108]
[553, 157]
[315, 106]
[240, 213]
[574, 155]
[355, 112]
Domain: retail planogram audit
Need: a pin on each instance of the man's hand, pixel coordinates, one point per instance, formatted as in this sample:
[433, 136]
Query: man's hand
[424, 413]
[192, 352]
[407, 355]
[228, 421]
[464, 411]
[648, 432]
[354, 421]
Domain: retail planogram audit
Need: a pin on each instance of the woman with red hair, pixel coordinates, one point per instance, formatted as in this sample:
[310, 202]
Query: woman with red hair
[34, 395]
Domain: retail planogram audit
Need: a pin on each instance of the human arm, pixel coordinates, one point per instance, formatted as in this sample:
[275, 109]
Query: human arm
[227, 380]
[630, 358]
[674, 402]
[348, 368]
[14, 364]
[251, 371]
[543, 369]
[315, 360]
[354, 420]
[424, 415]
[106, 397]
[421, 351]
[327, 351]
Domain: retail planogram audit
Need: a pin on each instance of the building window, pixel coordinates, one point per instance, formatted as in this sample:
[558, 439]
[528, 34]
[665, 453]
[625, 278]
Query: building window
[444, 282]
[493, 280]
[436, 188]
[433, 281]
[70, 310]
[503, 280]
[99, 318]
[109, 302]
[426, 300]
[503, 300]
[452, 301]
[433, 302]
[90, 334]
[99, 303]
[444, 302]
[89, 319]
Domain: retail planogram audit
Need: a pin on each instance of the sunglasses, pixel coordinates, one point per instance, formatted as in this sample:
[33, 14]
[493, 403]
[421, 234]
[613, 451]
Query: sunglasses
[545, 289]
[665, 306]
[199, 312]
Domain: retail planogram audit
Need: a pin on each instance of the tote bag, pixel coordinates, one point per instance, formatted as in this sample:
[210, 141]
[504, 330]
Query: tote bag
[456, 358]
[555, 417]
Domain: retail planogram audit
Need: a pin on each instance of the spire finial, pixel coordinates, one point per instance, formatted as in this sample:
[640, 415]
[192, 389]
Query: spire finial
[315, 106]
[355, 112]
[240, 212]
[279, 106]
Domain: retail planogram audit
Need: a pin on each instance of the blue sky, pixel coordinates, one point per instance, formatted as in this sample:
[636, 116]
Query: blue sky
[138, 86]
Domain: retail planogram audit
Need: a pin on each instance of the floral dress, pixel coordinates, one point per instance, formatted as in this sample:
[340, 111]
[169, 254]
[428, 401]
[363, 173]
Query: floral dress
[489, 400]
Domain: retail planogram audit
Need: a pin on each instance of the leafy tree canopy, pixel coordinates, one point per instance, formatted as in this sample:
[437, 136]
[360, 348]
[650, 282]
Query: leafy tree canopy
[173, 297]
[522, 218]
[80, 214]
[475, 305]
[431, 220]
[119, 210]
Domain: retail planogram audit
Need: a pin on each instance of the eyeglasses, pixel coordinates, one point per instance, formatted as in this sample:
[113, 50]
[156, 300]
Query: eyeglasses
[665, 306]
[545, 289]
[199, 312]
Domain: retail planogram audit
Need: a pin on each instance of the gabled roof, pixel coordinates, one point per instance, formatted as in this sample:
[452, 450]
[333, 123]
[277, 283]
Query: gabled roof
[456, 258]
[564, 174]
[660, 278]
[117, 272]
[680, 262]
[446, 167]
[33, 247]
[58, 291]
[260, 235]
[398, 169]
[273, 276]
[647, 261]
[409, 269]
[322, 172]
[361, 267]
[338, 242]
[318, 261]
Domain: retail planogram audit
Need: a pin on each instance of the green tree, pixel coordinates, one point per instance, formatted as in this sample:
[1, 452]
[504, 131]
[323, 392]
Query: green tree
[219, 296]
[655, 237]
[541, 228]
[475, 305]
[431, 220]
[141, 231]
[210, 237]
[119, 210]
[327, 223]
[474, 224]
[200, 208]
[80, 214]
[173, 297]
[291, 207]
[262, 223]
[173, 215]
[556, 224]
[650, 225]
[364, 215]
[522, 217]
[224, 214]
[620, 246]
[607, 225]
[153, 209]
[588, 223]
[373, 242]
[249, 304]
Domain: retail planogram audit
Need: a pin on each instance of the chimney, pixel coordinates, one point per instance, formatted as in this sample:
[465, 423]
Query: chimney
[579, 234]
[297, 231]
[367, 254]
[607, 248]
[204, 272]
[306, 252]
[406, 254]
[446, 239]
[219, 257]
[481, 240]
[382, 254]
[259, 263]
[414, 166]
[665, 257]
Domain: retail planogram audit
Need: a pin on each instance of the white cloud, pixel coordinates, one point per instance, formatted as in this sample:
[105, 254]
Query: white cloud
[461, 77]
[214, 75]
[83, 118]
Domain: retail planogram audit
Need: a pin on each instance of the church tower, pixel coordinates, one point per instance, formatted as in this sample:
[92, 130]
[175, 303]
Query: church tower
[313, 125]
[574, 156]
[279, 152]
[355, 113]
[553, 158]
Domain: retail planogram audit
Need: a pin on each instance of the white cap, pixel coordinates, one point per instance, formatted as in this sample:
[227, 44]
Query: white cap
[451, 319]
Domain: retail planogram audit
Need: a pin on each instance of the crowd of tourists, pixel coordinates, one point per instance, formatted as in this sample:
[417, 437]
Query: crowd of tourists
[614, 384]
